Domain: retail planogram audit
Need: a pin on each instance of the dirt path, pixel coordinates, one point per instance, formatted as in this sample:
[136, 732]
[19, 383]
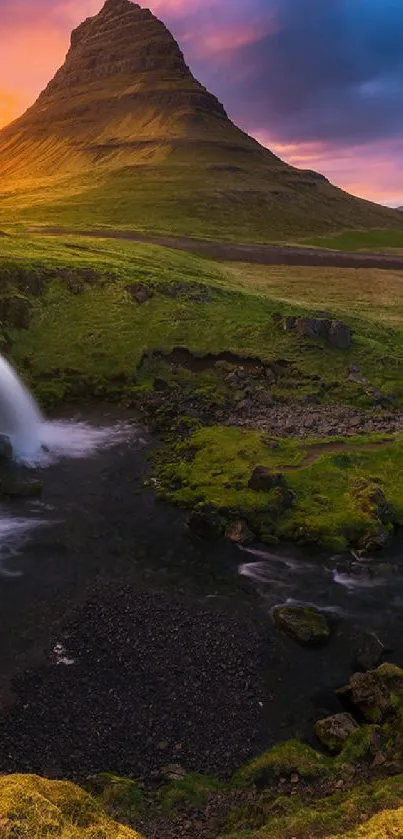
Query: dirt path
[234, 252]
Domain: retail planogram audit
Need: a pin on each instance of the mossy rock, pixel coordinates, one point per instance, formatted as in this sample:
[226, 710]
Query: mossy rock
[361, 745]
[32, 807]
[291, 756]
[303, 624]
[334, 731]
[370, 694]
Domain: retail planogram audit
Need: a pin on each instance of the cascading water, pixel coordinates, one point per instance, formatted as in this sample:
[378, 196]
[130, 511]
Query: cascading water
[20, 417]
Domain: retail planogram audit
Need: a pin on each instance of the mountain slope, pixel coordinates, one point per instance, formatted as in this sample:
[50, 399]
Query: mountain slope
[125, 136]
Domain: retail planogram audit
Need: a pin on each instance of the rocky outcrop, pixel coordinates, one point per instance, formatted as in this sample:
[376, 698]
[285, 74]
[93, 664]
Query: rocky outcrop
[336, 332]
[303, 624]
[372, 693]
[334, 731]
[140, 292]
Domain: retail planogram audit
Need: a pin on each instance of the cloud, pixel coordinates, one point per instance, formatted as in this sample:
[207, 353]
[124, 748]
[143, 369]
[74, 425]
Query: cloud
[331, 71]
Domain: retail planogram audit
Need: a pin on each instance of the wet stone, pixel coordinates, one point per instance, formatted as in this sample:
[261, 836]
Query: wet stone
[303, 624]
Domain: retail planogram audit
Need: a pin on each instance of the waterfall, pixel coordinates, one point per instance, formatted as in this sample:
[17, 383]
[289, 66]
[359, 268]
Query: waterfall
[20, 417]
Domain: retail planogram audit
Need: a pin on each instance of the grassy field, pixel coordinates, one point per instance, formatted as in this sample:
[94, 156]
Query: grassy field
[81, 317]
[356, 240]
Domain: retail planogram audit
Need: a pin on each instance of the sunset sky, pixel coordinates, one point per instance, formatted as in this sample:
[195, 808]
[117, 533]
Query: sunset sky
[318, 81]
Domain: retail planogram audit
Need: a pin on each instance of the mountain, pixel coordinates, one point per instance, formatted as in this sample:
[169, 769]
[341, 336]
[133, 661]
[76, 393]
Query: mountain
[125, 136]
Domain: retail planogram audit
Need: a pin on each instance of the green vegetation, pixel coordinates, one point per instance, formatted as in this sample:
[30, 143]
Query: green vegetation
[305, 817]
[356, 240]
[213, 466]
[73, 326]
[285, 758]
[35, 808]
[66, 297]
[193, 791]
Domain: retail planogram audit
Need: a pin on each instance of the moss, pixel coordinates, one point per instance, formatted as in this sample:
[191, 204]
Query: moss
[193, 791]
[121, 797]
[358, 745]
[35, 808]
[385, 825]
[288, 757]
[295, 817]
[214, 465]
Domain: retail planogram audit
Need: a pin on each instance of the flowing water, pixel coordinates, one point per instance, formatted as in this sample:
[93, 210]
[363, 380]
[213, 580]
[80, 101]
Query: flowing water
[95, 529]
[38, 442]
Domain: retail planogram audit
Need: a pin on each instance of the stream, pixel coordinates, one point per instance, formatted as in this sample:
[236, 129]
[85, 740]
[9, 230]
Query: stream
[126, 644]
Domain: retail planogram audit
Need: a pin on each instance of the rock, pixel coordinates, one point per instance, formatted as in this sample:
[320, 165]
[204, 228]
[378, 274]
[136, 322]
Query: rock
[340, 335]
[303, 624]
[334, 731]
[238, 532]
[289, 323]
[379, 760]
[140, 292]
[174, 772]
[294, 778]
[312, 327]
[375, 541]
[6, 449]
[368, 693]
[14, 487]
[369, 654]
[264, 480]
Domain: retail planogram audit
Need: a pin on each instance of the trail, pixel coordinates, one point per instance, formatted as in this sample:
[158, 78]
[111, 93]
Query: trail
[234, 252]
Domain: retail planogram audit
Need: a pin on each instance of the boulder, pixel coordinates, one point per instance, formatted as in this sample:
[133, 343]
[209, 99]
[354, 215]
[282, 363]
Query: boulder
[303, 624]
[334, 731]
[340, 335]
[370, 695]
[264, 479]
[238, 532]
[369, 654]
[6, 449]
[140, 292]
[312, 327]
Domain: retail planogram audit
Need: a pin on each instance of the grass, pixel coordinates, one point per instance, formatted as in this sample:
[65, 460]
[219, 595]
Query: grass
[337, 815]
[73, 315]
[356, 240]
[213, 466]
[34, 808]
[286, 758]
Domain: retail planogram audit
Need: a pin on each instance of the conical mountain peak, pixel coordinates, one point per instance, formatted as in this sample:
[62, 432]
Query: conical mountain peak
[125, 111]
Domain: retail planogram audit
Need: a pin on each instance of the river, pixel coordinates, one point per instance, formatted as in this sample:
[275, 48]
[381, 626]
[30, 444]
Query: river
[126, 644]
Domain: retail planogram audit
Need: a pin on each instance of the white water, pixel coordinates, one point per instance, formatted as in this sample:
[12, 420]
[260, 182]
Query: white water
[20, 417]
[38, 442]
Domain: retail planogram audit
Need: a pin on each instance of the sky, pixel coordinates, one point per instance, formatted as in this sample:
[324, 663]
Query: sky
[320, 82]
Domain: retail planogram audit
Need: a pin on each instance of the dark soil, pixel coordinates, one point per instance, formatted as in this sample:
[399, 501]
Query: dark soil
[257, 254]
